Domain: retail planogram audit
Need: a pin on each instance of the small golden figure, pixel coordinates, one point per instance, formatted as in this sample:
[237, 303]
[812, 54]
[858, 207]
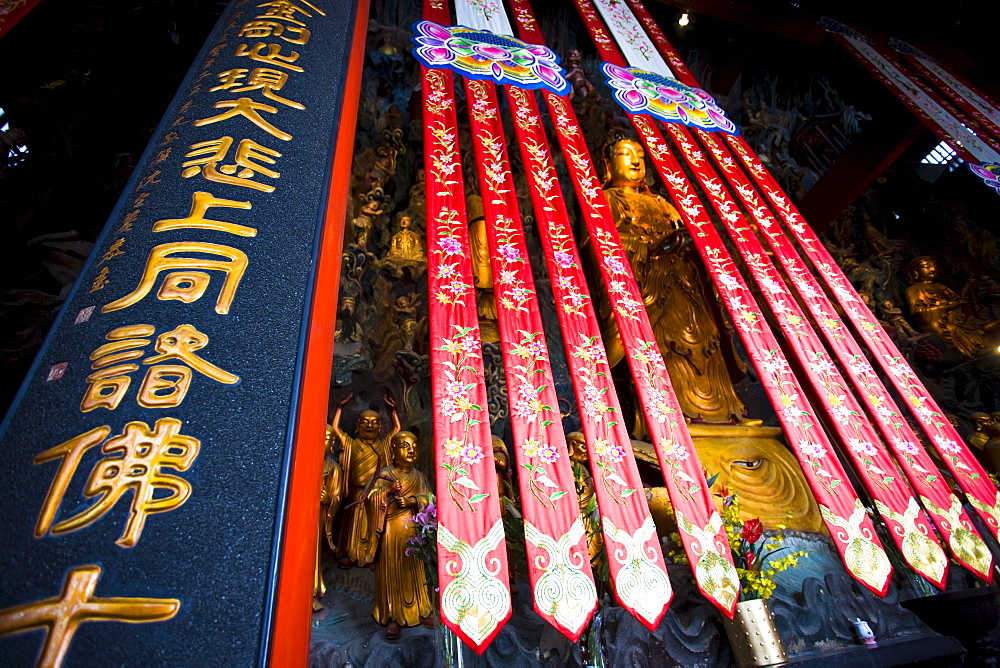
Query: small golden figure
[406, 244]
[399, 492]
[361, 458]
[331, 493]
[406, 319]
[482, 273]
[585, 493]
[938, 310]
[501, 461]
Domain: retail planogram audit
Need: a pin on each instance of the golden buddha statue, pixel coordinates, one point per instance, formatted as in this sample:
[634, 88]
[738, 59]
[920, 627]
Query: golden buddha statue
[985, 440]
[936, 309]
[360, 458]
[482, 273]
[399, 492]
[406, 244]
[701, 362]
[673, 291]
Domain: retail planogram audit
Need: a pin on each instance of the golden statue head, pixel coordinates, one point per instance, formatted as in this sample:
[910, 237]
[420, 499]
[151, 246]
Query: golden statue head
[404, 449]
[577, 446]
[624, 162]
[980, 421]
[405, 222]
[501, 457]
[922, 269]
[369, 425]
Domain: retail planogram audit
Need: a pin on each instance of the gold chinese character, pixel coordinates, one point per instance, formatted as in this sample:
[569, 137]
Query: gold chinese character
[187, 286]
[210, 153]
[140, 200]
[284, 10]
[165, 385]
[113, 251]
[273, 55]
[249, 109]
[100, 281]
[162, 155]
[180, 344]
[260, 29]
[169, 138]
[262, 78]
[152, 178]
[130, 218]
[109, 384]
[60, 616]
[142, 454]
[201, 202]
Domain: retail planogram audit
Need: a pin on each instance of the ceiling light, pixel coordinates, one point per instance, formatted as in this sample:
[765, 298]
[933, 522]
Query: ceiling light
[684, 19]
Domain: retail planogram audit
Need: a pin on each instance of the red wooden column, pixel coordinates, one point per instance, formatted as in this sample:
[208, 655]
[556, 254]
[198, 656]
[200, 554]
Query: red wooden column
[290, 641]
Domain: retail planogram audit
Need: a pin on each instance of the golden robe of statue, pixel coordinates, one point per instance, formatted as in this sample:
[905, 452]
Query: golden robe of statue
[360, 458]
[938, 310]
[585, 493]
[399, 492]
[672, 290]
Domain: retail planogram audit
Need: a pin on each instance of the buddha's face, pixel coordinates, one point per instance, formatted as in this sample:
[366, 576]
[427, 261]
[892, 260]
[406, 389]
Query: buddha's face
[369, 425]
[925, 269]
[404, 449]
[577, 447]
[405, 222]
[627, 164]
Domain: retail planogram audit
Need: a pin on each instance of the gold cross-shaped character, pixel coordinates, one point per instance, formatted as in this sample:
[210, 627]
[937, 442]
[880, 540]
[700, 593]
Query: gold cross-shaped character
[60, 616]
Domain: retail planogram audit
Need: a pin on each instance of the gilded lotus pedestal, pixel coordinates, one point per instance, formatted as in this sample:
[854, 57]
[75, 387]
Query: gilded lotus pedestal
[753, 637]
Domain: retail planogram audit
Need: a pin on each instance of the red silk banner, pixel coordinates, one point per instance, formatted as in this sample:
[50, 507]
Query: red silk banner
[974, 102]
[964, 541]
[640, 586]
[954, 453]
[555, 537]
[842, 511]
[472, 552]
[970, 146]
[876, 468]
[700, 525]
[961, 463]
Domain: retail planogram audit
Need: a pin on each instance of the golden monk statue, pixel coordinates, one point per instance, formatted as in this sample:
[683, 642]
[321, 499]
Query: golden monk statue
[361, 457]
[936, 309]
[501, 462]
[673, 291]
[406, 244]
[399, 492]
[331, 493]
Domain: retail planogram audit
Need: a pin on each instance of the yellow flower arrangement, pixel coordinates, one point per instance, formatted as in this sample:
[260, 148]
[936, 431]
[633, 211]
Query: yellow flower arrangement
[753, 555]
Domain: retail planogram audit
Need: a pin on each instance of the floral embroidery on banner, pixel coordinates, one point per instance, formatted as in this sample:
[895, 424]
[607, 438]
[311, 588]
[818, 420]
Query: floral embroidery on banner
[458, 406]
[526, 404]
[594, 405]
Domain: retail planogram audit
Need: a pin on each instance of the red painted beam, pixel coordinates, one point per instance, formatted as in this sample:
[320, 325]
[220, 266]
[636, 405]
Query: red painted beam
[292, 623]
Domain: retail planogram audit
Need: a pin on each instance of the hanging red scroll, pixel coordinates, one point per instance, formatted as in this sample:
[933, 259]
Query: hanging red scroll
[701, 527]
[842, 511]
[944, 508]
[472, 553]
[555, 538]
[640, 585]
[961, 463]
